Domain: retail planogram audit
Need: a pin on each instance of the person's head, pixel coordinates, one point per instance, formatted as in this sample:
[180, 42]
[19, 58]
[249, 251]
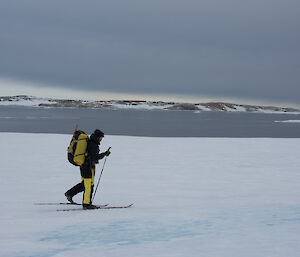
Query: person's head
[99, 134]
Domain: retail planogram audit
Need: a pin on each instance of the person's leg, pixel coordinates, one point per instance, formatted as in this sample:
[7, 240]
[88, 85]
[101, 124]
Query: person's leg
[88, 182]
[87, 195]
[74, 191]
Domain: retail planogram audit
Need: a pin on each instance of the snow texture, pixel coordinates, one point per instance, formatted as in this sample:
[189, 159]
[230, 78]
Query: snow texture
[288, 121]
[192, 197]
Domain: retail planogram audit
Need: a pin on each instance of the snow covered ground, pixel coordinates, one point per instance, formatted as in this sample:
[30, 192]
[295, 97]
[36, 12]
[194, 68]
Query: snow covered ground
[192, 197]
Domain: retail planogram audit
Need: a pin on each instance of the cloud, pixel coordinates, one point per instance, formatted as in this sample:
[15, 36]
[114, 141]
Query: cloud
[206, 48]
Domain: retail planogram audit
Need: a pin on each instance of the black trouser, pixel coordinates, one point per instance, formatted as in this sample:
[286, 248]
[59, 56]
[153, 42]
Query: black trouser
[86, 185]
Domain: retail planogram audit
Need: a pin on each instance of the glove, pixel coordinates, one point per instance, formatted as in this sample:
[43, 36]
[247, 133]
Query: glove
[107, 153]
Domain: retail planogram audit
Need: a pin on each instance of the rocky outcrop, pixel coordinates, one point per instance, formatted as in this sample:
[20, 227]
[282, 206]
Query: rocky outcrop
[183, 107]
[141, 104]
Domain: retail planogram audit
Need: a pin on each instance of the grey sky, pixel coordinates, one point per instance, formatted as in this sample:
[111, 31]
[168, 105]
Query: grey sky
[216, 48]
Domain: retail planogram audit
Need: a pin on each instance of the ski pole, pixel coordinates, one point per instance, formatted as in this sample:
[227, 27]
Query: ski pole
[100, 177]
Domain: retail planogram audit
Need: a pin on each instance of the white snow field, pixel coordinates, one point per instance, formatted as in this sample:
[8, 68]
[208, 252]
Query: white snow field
[192, 197]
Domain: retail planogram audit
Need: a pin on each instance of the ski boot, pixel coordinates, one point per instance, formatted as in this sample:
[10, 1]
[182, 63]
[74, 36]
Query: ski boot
[69, 198]
[89, 206]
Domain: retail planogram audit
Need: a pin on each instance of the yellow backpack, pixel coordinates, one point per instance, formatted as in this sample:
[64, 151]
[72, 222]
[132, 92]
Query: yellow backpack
[77, 150]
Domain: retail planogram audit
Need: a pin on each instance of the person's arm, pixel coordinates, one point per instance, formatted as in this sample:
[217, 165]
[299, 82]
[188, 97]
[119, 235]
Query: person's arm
[94, 153]
[102, 155]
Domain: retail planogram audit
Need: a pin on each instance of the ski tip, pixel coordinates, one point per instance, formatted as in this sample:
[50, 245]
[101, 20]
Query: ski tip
[115, 207]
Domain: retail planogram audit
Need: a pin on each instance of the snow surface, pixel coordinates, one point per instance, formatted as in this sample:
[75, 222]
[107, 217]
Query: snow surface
[237, 108]
[22, 102]
[192, 197]
[288, 121]
[140, 106]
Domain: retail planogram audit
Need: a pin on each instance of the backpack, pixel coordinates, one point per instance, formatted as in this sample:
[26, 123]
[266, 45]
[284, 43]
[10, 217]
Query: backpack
[77, 148]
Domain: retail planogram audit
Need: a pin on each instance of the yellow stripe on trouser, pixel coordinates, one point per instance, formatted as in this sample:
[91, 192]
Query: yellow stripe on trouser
[88, 184]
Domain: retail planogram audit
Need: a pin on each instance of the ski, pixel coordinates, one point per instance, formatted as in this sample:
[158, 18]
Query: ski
[67, 203]
[115, 207]
[99, 207]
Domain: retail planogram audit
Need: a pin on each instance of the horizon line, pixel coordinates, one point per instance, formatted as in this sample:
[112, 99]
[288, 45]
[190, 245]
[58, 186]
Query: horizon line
[11, 87]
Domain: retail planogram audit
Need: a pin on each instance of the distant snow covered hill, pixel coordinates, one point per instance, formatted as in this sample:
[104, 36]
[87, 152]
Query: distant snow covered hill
[288, 121]
[210, 197]
[143, 105]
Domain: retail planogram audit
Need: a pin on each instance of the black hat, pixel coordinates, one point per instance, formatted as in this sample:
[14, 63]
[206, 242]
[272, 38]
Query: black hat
[98, 133]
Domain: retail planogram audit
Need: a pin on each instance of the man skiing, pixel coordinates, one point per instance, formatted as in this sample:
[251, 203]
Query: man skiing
[87, 171]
